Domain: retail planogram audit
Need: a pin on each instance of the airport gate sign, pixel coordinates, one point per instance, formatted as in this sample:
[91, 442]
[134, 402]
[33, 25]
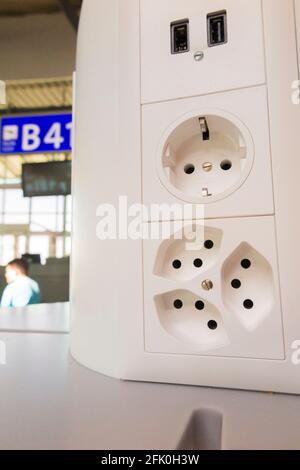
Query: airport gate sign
[49, 133]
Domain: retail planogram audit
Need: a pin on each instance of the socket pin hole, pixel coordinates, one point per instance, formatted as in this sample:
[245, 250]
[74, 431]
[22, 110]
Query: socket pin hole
[200, 305]
[212, 325]
[209, 244]
[198, 263]
[177, 264]
[226, 165]
[248, 304]
[189, 169]
[246, 263]
[236, 283]
[178, 304]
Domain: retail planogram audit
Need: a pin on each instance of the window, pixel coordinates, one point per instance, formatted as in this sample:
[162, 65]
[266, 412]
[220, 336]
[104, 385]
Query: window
[40, 225]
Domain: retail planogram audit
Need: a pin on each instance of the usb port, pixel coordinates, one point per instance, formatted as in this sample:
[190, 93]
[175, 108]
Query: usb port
[180, 41]
[217, 28]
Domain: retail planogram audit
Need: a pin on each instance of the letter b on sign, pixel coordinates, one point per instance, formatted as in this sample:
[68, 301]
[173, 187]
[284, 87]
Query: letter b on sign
[31, 137]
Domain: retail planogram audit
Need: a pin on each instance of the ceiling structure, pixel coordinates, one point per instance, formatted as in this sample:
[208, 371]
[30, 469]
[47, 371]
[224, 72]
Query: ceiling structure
[29, 7]
[40, 95]
[26, 96]
[71, 8]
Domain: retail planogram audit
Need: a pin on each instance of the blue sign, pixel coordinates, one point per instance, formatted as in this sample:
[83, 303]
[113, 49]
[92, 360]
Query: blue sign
[36, 134]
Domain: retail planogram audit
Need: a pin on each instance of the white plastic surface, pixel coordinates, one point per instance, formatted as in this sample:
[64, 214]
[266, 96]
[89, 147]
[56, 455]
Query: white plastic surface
[116, 325]
[252, 193]
[255, 333]
[169, 77]
[44, 318]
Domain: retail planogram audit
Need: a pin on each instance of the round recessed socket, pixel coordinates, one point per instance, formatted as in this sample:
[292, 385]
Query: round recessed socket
[226, 165]
[178, 304]
[209, 244]
[189, 169]
[198, 263]
[248, 304]
[246, 263]
[212, 325]
[184, 153]
[200, 305]
[176, 264]
[236, 283]
[207, 167]
[207, 285]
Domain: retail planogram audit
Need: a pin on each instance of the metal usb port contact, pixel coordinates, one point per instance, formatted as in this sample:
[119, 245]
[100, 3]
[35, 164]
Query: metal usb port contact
[180, 37]
[217, 28]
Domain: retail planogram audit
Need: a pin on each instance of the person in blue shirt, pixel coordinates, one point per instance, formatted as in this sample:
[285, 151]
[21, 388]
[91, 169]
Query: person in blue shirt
[21, 289]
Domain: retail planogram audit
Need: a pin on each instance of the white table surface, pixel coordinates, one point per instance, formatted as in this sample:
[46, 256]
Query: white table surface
[46, 318]
[48, 401]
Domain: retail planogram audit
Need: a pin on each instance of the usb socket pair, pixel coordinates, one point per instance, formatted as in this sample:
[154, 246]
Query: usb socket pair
[216, 32]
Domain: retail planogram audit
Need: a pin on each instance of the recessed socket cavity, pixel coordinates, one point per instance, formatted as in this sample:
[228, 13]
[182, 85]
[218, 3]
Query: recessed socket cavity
[180, 41]
[180, 260]
[217, 28]
[248, 286]
[206, 158]
[191, 320]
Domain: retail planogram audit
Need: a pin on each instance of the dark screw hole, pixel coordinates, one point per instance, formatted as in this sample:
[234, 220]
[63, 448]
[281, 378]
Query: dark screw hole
[189, 169]
[209, 244]
[236, 283]
[226, 165]
[178, 304]
[177, 264]
[212, 325]
[199, 305]
[246, 264]
[198, 263]
[248, 304]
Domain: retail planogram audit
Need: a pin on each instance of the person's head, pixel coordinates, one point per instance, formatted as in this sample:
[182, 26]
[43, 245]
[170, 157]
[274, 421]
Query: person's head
[15, 269]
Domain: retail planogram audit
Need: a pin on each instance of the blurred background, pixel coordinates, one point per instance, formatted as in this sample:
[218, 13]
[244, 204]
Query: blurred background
[37, 59]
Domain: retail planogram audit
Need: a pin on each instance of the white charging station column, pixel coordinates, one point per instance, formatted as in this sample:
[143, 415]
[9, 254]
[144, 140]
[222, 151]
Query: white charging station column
[188, 102]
